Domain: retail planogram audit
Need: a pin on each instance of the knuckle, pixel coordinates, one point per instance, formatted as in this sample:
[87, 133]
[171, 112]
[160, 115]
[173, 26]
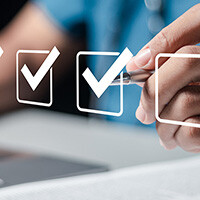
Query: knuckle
[189, 62]
[184, 99]
[163, 38]
[188, 49]
[159, 129]
[193, 134]
[162, 135]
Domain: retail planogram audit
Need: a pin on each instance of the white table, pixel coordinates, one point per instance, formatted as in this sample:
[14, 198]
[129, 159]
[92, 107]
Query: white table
[69, 136]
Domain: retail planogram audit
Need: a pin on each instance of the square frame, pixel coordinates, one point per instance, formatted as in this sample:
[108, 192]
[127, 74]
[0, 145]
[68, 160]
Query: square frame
[88, 110]
[171, 55]
[17, 79]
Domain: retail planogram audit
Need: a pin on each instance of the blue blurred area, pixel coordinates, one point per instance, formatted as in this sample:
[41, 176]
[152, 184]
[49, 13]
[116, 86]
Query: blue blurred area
[113, 25]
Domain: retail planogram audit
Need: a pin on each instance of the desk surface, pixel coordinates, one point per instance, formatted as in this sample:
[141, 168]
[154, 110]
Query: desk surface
[67, 136]
[172, 180]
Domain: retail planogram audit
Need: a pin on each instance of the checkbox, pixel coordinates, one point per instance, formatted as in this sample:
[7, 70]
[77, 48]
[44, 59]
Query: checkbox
[32, 83]
[98, 87]
[167, 56]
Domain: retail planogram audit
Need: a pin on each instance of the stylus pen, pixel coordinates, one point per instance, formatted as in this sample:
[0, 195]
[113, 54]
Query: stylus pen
[132, 77]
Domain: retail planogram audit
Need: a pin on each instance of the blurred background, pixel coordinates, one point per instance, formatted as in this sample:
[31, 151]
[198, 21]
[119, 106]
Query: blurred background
[61, 141]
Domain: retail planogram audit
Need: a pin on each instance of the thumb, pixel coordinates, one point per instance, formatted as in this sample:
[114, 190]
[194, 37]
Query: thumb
[183, 31]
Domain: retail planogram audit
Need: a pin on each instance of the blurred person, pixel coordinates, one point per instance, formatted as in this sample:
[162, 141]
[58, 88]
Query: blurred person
[111, 25]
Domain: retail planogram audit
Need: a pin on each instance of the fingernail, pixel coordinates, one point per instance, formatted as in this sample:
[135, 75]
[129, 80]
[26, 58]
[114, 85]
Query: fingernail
[170, 145]
[142, 58]
[140, 114]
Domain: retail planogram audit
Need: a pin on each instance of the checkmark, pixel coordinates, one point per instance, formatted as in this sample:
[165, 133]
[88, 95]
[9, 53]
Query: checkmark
[99, 87]
[35, 80]
[1, 51]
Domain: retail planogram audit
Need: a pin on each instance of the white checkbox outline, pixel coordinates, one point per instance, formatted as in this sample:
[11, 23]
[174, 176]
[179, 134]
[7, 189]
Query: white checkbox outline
[17, 79]
[96, 53]
[167, 121]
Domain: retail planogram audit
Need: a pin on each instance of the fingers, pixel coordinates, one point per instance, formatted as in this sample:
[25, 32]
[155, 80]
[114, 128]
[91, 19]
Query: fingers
[188, 138]
[173, 75]
[184, 105]
[183, 31]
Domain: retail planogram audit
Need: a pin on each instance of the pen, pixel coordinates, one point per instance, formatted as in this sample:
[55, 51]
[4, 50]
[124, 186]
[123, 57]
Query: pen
[132, 77]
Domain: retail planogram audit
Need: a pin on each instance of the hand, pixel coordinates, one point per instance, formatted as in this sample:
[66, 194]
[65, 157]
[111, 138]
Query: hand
[179, 90]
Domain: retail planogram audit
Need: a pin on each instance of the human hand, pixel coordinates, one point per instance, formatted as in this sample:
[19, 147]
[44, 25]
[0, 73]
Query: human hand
[179, 90]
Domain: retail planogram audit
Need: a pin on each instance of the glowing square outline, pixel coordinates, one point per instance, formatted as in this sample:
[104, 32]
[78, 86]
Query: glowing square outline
[17, 79]
[169, 55]
[88, 110]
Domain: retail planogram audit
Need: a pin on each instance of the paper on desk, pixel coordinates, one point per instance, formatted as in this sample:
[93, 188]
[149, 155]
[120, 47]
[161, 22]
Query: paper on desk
[177, 180]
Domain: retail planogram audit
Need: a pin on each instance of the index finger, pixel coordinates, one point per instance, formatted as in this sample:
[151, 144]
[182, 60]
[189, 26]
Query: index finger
[183, 31]
[173, 75]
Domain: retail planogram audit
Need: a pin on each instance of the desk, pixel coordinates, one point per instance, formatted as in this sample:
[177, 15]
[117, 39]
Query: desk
[68, 136]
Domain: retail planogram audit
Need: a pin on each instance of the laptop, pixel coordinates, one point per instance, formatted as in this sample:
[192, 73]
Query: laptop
[17, 168]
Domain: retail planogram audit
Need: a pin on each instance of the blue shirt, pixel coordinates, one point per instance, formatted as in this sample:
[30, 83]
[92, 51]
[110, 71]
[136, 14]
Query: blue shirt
[113, 25]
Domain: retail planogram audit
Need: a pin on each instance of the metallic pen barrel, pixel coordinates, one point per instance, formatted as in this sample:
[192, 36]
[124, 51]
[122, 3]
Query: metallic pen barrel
[133, 77]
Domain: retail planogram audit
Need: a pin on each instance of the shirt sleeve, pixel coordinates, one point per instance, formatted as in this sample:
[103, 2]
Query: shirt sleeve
[69, 15]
